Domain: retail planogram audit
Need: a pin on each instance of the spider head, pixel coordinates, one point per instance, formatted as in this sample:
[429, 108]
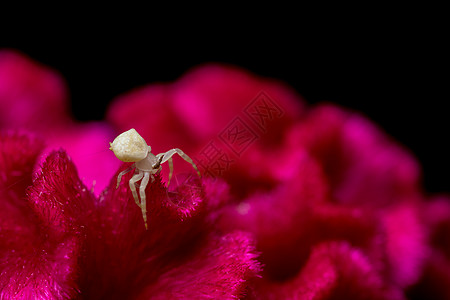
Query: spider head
[130, 146]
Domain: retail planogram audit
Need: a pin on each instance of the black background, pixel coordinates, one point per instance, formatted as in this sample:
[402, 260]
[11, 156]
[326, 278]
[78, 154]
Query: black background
[394, 75]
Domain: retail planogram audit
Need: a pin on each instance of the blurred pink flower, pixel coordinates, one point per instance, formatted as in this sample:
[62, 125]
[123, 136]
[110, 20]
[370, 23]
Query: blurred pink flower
[34, 98]
[319, 180]
[335, 206]
[434, 281]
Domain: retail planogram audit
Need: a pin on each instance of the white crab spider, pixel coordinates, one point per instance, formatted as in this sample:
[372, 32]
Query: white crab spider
[131, 147]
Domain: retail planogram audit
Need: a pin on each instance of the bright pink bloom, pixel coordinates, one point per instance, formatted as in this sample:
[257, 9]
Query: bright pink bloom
[310, 178]
[59, 241]
[335, 206]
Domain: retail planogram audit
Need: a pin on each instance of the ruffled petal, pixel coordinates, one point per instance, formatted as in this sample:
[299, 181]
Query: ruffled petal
[219, 270]
[217, 94]
[282, 218]
[363, 166]
[46, 264]
[122, 258]
[18, 155]
[406, 243]
[59, 198]
[334, 270]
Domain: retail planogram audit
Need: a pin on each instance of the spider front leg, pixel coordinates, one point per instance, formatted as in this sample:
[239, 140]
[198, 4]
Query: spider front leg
[133, 180]
[142, 188]
[119, 177]
[168, 157]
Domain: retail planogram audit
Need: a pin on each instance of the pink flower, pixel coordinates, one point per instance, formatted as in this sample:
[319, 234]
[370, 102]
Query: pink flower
[335, 207]
[59, 241]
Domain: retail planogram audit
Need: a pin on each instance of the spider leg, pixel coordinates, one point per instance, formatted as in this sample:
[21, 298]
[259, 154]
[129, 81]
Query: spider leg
[119, 177]
[133, 180]
[144, 183]
[168, 156]
[170, 170]
[152, 177]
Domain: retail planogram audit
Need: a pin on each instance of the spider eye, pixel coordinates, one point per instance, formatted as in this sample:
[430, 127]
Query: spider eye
[130, 146]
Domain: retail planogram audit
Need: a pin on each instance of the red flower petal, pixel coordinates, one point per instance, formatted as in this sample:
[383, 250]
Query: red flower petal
[18, 154]
[281, 219]
[122, 258]
[45, 264]
[102, 250]
[363, 166]
[209, 97]
[42, 271]
[218, 271]
[333, 271]
[406, 243]
[59, 198]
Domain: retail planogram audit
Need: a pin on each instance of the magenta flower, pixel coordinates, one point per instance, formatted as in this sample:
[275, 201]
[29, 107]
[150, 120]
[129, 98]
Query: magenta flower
[59, 241]
[294, 202]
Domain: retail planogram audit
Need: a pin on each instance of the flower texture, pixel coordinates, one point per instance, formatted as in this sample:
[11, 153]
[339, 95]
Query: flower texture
[295, 202]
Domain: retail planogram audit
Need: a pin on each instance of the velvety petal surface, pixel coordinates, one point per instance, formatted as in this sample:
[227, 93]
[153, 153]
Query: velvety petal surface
[178, 255]
[43, 264]
[80, 246]
[18, 155]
